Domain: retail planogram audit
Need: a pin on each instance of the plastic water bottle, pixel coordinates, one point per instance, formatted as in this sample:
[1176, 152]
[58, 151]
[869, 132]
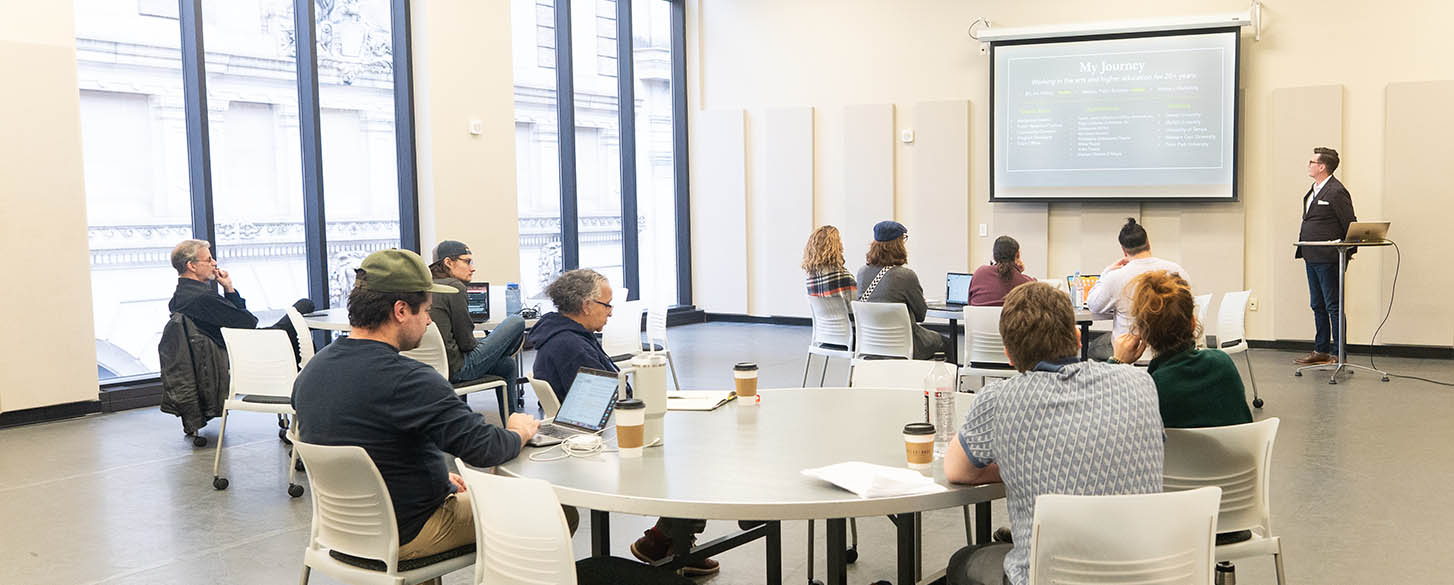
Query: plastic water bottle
[1077, 291]
[939, 384]
[512, 298]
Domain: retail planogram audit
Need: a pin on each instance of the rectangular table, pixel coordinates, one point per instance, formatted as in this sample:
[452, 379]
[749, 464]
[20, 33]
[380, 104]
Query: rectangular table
[1083, 318]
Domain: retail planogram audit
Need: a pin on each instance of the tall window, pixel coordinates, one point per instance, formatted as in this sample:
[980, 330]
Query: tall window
[257, 173]
[655, 156]
[140, 200]
[537, 145]
[624, 159]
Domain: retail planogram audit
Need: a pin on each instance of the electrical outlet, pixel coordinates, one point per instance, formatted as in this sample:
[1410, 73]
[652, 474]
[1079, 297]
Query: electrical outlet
[1252, 304]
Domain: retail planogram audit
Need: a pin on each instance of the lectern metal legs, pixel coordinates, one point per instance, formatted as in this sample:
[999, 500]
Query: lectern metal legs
[1342, 331]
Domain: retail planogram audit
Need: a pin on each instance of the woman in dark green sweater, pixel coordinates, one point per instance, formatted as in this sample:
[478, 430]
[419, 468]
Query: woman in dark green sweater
[1196, 387]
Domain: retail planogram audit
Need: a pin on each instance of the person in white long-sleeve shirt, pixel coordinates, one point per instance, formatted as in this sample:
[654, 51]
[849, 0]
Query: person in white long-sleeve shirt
[1112, 293]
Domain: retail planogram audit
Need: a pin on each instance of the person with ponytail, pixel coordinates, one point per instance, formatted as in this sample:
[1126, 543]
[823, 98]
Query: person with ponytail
[1195, 387]
[991, 282]
[1111, 295]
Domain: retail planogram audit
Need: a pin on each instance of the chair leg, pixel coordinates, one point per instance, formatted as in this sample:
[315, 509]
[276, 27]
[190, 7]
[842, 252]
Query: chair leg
[306, 570]
[500, 398]
[1246, 354]
[1277, 560]
[807, 363]
[294, 489]
[824, 377]
[811, 538]
[673, 367]
[217, 459]
[968, 528]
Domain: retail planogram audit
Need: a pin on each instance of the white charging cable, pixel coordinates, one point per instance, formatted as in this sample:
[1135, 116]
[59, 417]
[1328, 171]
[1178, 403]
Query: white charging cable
[579, 446]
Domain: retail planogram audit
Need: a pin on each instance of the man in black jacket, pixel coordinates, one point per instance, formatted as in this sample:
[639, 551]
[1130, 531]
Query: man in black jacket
[197, 298]
[1327, 211]
[360, 391]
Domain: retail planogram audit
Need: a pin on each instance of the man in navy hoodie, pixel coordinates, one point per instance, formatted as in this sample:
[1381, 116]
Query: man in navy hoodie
[564, 342]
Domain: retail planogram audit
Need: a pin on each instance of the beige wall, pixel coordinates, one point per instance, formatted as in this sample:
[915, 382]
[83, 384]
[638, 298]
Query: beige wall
[834, 55]
[466, 182]
[47, 355]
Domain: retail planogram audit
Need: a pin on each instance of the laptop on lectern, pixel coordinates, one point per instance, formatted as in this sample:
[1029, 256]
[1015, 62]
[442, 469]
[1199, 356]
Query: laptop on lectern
[1369, 232]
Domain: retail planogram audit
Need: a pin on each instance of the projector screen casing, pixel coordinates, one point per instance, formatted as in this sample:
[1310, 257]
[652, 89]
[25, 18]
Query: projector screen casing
[1125, 192]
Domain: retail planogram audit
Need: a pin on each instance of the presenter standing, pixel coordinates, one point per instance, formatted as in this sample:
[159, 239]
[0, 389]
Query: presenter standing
[1327, 211]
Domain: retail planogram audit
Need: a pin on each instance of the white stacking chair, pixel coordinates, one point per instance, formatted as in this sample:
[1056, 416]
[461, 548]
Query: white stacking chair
[621, 337]
[545, 395]
[832, 333]
[656, 337]
[891, 373]
[523, 538]
[1202, 302]
[884, 330]
[263, 369]
[305, 336]
[355, 537]
[1231, 333]
[431, 352]
[1237, 459]
[1163, 538]
[984, 350]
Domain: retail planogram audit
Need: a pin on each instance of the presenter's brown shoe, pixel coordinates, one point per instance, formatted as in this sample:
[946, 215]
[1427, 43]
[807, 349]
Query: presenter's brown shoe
[1315, 358]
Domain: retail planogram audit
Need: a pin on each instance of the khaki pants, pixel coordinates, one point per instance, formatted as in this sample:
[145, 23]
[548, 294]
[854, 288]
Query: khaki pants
[451, 526]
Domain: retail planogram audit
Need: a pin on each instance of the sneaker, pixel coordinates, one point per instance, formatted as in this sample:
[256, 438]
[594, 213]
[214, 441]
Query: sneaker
[655, 545]
[1315, 358]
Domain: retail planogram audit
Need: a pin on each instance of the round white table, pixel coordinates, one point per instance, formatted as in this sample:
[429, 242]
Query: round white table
[744, 463]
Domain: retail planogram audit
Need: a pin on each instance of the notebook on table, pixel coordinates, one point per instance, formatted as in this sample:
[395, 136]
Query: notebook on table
[588, 406]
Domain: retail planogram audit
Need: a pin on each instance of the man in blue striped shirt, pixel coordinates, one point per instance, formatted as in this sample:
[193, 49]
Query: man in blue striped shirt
[1062, 426]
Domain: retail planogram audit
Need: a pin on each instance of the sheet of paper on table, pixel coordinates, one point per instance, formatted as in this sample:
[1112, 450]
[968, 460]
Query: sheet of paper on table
[698, 399]
[875, 481]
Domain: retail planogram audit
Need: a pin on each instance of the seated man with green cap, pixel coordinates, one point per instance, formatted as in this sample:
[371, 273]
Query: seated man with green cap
[360, 391]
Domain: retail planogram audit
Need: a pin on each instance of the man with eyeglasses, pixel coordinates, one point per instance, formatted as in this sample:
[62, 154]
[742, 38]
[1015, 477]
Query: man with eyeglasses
[564, 342]
[1327, 211]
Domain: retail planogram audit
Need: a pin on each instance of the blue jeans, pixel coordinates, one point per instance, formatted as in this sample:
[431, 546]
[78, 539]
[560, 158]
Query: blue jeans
[1323, 294]
[491, 355]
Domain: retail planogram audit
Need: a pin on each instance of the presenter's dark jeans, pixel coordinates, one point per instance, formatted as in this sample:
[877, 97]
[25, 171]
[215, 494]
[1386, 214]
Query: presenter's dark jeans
[1323, 294]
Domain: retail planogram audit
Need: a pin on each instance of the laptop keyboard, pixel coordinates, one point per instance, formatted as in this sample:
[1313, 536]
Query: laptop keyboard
[558, 432]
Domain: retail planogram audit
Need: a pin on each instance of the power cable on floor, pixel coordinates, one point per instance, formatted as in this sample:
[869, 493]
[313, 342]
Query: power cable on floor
[1372, 343]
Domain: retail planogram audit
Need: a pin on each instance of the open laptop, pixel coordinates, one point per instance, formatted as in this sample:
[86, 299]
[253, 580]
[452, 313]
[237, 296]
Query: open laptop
[1367, 232]
[587, 408]
[478, 295]
[956, 291]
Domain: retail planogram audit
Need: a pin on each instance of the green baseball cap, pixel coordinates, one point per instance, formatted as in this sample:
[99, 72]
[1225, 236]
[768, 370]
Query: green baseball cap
[398, 271]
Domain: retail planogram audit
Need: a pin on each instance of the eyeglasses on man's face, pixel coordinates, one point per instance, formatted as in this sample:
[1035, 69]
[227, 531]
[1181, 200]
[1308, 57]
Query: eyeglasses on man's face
[607, 305]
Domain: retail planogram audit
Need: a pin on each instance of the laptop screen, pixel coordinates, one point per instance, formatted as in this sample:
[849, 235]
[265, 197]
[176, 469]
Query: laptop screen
[589, 402]
[478, 295]
[956, 288]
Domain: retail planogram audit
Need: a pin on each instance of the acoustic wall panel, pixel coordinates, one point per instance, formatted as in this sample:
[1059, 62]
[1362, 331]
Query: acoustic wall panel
[1415, 187]
[936, 210]
[719, 212]
[868, 176]
[780, 211]
[1302, 118]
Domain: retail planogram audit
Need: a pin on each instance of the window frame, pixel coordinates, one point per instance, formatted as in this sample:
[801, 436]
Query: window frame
[625, 79]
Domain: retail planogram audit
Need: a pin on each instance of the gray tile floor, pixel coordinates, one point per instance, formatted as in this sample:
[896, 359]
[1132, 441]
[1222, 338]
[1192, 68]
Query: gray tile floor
[1361, 472]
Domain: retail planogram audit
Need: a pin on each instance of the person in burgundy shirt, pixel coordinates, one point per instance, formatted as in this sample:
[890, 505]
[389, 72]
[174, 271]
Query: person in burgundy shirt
[991, 282]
